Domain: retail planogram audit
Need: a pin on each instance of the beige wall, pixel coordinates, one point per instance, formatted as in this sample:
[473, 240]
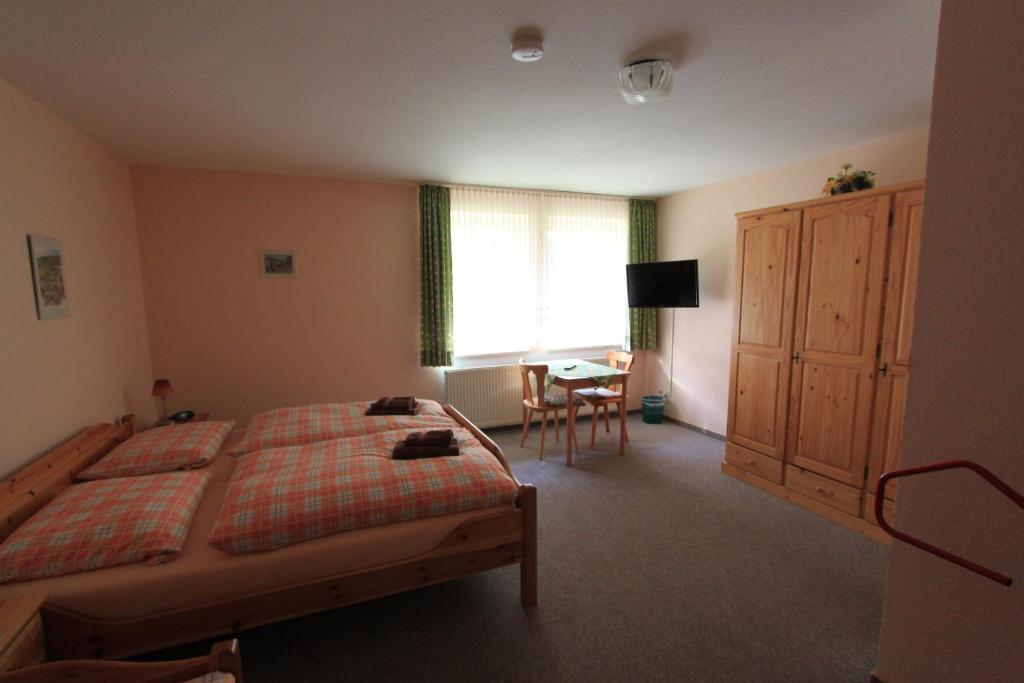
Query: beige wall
[232, 343]
[700, 224]
[942, 623]
[62, 375]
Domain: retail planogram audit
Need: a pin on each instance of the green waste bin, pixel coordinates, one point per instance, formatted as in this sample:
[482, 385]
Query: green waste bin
[654, 408]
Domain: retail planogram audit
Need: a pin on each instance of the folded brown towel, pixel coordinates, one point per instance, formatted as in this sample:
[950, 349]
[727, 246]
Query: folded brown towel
[432, 444]
[394, 402]
[398, 405]
[434, 437]
[389, 411]
[403, 452]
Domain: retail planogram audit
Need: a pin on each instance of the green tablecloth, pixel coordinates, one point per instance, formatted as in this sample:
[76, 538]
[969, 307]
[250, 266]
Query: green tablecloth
[602, 374]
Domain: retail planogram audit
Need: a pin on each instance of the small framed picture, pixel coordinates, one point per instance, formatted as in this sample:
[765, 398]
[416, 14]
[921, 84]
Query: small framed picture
[47, 255]
[275, 263]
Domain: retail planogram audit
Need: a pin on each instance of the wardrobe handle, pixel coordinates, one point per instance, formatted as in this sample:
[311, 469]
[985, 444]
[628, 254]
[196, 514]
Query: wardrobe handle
[796, 357]
[884, 369]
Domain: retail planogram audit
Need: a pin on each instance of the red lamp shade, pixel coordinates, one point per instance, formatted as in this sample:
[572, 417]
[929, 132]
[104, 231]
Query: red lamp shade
[162, 388]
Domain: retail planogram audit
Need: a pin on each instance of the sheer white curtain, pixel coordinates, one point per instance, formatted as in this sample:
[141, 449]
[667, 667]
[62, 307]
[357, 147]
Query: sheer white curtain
[537, 271]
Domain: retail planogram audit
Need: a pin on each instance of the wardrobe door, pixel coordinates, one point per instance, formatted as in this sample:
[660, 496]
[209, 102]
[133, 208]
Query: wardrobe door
[766, 273]
[842, 272]
[894, 358]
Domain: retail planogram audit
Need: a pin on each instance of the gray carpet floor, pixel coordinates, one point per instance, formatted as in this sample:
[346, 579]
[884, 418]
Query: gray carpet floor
[653, 566]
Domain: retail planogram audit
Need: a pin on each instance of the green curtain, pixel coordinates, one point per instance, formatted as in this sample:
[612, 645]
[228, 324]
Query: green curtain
[643, 248]
[435, 276]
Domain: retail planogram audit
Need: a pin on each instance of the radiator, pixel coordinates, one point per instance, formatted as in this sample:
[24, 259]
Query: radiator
[491, 396]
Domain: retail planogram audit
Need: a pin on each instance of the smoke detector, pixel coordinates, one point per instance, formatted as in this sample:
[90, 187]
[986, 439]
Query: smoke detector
[649, 80]
[527, 49]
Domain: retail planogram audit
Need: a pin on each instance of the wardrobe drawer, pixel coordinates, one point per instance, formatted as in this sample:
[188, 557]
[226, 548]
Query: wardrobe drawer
[839, 496]
[753, 462]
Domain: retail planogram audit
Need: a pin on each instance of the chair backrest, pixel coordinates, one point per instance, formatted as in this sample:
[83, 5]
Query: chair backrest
[539, 372]
[620, 360]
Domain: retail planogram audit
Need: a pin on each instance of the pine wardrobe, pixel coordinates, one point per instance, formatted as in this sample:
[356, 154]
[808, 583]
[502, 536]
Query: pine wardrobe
[821, 348]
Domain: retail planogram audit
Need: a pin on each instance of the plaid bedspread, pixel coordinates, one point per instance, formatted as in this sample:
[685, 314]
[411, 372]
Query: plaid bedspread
[288, 495]
[302, 425]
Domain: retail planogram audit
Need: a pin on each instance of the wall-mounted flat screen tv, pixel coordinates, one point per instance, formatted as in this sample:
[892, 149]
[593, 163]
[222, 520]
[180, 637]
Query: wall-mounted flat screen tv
[666, 284]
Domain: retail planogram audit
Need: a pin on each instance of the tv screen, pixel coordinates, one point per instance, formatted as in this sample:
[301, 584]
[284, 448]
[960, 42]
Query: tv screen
[668, 284]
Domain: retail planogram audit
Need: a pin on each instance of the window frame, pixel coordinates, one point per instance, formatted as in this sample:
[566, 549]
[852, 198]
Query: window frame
[539, 352]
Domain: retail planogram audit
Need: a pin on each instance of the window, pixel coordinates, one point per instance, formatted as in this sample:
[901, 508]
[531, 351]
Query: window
[537, 271]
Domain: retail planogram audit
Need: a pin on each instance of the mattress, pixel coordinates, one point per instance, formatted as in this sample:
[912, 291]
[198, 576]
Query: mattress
[202, 575]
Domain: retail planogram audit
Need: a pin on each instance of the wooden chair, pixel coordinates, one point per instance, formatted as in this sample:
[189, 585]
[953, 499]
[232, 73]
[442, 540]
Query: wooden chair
[539, 401]
[598, 399]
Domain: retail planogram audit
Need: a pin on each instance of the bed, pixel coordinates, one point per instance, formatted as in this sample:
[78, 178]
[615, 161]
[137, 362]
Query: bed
[131, 609]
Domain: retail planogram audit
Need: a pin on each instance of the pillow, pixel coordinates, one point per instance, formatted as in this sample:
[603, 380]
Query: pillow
[302, 425]
[104, 524]
[164, 449]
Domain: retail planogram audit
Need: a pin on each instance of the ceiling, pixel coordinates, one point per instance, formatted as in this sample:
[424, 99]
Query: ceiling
[414, 91]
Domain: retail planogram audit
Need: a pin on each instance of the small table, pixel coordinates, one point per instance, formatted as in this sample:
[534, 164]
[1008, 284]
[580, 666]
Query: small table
[576, 374]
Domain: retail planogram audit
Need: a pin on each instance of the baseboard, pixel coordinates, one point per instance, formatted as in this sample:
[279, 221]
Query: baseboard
[695, 428]
[635, 411]
[519, 425]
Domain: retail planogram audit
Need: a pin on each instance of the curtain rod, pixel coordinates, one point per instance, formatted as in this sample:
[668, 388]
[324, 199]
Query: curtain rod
[529, 189]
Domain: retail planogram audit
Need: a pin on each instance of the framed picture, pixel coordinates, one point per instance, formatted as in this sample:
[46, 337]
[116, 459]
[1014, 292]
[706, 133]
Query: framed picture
[47, 255]
[277, 263]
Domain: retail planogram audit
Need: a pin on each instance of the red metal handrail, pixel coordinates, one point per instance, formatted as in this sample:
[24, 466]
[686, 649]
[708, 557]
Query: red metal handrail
[985, 474]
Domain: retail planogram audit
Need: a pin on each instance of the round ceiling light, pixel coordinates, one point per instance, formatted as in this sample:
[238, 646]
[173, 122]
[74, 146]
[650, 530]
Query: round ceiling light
[645, 81]
[527, 49]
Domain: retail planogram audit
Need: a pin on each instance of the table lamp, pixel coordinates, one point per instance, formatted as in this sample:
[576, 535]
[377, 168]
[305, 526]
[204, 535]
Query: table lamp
[162, 389]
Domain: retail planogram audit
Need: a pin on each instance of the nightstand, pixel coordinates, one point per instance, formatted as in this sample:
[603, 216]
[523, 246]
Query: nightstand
[21, 632]
[163, 421]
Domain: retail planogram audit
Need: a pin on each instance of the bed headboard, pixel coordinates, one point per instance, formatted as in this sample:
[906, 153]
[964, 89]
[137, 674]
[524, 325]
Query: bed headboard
[36, 484]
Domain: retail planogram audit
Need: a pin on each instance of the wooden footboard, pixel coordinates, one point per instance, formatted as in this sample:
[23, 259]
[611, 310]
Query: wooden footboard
[481, 544]
[527, 503]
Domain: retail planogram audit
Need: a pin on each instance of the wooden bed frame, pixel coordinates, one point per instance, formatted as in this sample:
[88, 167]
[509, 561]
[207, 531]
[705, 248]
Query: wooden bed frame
[223, 657]
[70, 635]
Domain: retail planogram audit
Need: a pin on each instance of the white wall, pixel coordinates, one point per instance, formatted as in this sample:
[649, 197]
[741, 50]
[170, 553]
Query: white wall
[966, 393]
[60, 376]
[700, 224]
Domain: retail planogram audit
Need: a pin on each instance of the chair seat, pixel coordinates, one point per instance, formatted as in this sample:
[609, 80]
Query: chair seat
[559, 400]
[599, 394]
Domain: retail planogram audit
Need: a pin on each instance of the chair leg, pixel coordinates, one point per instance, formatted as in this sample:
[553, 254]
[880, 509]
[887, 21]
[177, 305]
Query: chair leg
[607, 429]
[594, 417]
[526, 424]
[622, 407]
[556, 426]
[543, 431]
[570, 434]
